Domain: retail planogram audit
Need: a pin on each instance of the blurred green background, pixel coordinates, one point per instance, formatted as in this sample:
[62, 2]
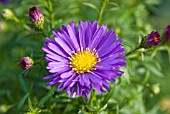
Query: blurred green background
[129, 18]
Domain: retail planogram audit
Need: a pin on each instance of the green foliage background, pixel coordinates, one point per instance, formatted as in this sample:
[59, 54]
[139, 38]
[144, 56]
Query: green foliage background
[136, 92]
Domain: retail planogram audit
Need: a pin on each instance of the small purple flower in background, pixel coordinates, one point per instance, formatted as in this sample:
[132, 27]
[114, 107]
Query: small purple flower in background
[84, 58]
[36, 17]
[3, 1]
[25, 63]
[167, 32]
[153, 39]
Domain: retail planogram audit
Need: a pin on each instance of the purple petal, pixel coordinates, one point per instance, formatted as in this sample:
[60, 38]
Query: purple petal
[81, 36]
[109, 39]
[69, 80]
[53, 82]
[110, 49]
[57, 58]
[57, 49]
[105, 84]
[97, 87]
[79, 90]
[85, 78]
[97, 37]
[72, 35]
[63, 45]
[94, 78]
[59, 69]
[81, 81]
[73, 90]
[67, 74]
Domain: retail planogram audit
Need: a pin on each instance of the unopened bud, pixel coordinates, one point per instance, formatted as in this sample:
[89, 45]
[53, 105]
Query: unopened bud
[167, 32]
[26, 63]
[36, 17]
[7, 14]
[153, 39]
[156, 88]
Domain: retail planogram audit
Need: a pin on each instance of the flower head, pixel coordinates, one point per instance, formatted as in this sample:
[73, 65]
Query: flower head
[153, 39]
[25, 63]
[167, 32]
[36, 17]
[84, 58]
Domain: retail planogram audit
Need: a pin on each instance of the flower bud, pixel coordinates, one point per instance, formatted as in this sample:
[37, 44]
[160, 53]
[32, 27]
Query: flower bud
[36, 17]
[7, 14]
[3, 26]
[155, 88]
[26, 63]
[167, 32]
[152, 39]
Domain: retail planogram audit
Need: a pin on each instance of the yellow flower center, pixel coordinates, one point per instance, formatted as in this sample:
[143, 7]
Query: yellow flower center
[155, 39]
[83, 61]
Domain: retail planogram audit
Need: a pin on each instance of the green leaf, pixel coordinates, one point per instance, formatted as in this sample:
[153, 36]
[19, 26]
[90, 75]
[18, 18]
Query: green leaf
[91, 6]
[23, 84]
[153, 69]
[22, 101]
[107, 97]
[113, 4]
[141, 50]
[30, 105]
[90, 108]
[46, 97]
[103, 108]
[117, 109]
[168, 50]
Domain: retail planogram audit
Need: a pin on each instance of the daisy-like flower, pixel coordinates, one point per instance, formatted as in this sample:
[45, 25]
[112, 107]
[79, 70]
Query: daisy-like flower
[84, 58]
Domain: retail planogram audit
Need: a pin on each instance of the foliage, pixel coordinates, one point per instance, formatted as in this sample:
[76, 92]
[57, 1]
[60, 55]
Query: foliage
[136, 92]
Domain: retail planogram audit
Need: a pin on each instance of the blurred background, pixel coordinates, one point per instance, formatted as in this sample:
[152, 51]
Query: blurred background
[145, 84]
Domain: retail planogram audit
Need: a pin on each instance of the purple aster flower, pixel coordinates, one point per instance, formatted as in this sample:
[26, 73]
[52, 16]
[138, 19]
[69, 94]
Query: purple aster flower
[36, 16]
[84, 58]
[25, 63]
[167, 32]
[153, 39]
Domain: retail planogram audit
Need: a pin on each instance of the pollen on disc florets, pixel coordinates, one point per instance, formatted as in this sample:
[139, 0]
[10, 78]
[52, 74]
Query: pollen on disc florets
[83, 61]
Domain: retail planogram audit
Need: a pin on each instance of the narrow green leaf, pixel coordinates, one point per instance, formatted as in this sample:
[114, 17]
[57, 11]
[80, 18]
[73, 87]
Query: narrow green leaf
[91, 6]
[153, 69]
[22, 101]
[103, 108]
[46, 97]
[113, 4]
[141, 50]
[168, 50]
[23, 84]
[90, 108]
[30, 105]
[117, 109]
[108, 96]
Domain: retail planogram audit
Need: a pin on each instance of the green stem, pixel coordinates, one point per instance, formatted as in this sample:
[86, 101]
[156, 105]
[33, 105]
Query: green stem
[131, 52]
[100, 15]
[83, 101]
[16, 19]
[44, 32]
[23, 24]
[27, 27]
[137, 49]
[51, 13]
